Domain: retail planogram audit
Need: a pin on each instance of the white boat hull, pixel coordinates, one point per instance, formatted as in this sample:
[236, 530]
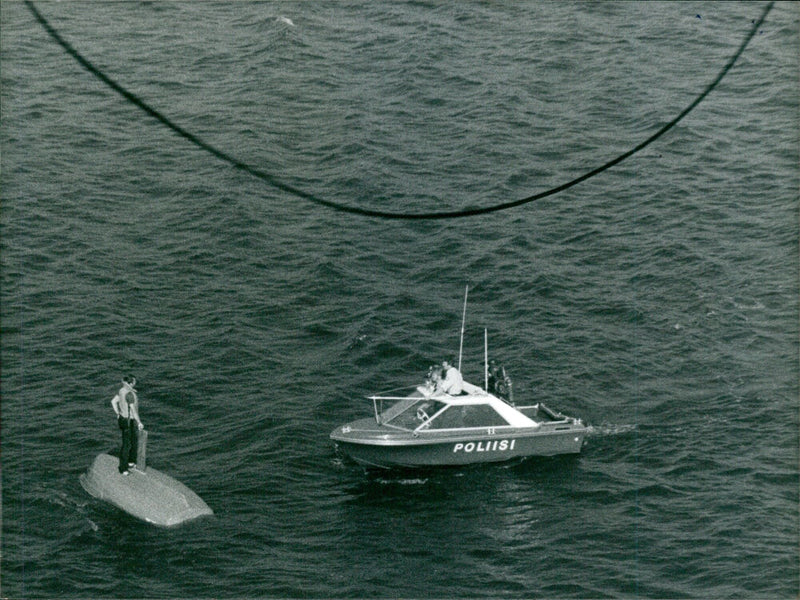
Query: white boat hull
[370, 444]
[149, 495]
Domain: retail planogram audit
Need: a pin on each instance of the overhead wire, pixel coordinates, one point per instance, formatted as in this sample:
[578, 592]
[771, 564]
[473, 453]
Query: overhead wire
[367, 212]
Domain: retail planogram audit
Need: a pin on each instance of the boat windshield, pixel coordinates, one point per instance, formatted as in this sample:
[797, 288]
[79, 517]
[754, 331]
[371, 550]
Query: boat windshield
[412, 413]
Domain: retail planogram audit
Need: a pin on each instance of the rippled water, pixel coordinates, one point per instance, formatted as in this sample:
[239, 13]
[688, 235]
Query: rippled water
[658, 300]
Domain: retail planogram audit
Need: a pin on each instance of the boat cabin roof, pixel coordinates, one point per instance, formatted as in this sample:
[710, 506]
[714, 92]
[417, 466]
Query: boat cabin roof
[426, 409]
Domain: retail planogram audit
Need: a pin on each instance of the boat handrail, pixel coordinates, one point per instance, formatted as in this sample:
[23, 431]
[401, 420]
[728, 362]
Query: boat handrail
[555, 417]
[398, 389]
[397, 427]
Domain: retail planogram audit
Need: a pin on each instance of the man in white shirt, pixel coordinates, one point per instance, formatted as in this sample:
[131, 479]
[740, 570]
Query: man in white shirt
[126, 405]
[453, 382]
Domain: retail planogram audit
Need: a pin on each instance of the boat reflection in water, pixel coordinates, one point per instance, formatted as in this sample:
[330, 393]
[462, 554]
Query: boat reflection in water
[432, 428]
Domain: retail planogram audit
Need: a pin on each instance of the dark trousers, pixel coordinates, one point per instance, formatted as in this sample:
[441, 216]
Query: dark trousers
[130, 442]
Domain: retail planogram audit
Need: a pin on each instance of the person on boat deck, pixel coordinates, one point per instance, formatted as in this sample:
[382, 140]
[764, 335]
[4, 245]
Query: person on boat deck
[434, 378]
[126, 406]
[453, 382]
[499, 381]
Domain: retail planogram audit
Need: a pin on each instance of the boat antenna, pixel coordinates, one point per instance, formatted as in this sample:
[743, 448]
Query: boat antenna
[463, 320]
[485, 359]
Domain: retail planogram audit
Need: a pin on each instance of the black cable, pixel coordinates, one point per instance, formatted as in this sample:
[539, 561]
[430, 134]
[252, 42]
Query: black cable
[275, 182]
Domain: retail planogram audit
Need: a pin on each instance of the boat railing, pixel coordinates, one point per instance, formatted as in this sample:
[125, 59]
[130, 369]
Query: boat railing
[551, 416]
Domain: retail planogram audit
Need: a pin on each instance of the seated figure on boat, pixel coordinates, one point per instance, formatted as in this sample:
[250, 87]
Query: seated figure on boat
[452, 383]
[499, 381]
[434, 378]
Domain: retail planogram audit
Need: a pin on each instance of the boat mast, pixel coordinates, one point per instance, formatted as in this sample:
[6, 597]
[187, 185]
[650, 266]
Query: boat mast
[463, 320]
[485, 360]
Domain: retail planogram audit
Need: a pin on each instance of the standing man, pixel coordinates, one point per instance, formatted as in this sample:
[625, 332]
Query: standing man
[126, 405]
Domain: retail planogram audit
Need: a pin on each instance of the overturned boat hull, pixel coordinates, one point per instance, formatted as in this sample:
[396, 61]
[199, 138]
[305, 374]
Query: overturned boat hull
[148, 494]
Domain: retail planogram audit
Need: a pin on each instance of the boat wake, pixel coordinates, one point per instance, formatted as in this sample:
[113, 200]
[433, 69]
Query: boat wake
[70, 503]
[610, 429]
[410, 481]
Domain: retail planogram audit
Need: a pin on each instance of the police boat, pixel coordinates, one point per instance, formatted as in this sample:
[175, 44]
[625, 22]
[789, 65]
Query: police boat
[429, 428]
[439, 425]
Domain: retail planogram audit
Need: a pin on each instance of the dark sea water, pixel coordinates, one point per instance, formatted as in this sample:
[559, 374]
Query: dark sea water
[658, 300]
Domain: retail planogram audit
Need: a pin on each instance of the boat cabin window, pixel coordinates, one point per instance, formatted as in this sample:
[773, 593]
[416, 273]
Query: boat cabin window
[470, 415]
